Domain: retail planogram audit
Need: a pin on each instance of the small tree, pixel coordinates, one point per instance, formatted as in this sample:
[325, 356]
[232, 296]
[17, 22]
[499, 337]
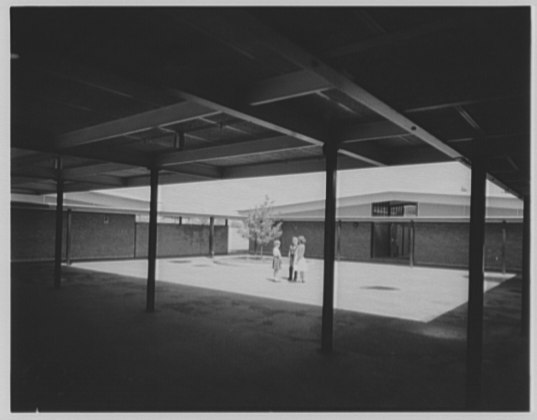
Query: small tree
[260, 227]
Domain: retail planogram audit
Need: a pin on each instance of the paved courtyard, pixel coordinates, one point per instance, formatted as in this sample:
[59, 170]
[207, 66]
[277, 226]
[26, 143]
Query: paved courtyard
[413, 293]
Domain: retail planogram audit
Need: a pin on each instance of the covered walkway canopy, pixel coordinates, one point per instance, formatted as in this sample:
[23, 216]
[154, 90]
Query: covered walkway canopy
[205, 93]
[119, 97]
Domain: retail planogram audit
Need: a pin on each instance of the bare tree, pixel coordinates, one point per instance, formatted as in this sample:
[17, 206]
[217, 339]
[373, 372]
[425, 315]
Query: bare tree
[260, 227]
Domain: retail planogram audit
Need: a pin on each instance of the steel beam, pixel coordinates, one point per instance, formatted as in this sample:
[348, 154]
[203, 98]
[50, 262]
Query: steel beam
[152, 244]
[172, 114]
[287, 86]
[241, 25]
[331, 153]
[250, 147]
[474, 350]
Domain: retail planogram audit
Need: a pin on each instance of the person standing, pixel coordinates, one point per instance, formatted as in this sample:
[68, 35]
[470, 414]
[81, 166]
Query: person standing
[300, 259]
[292, 251]
[276, 259]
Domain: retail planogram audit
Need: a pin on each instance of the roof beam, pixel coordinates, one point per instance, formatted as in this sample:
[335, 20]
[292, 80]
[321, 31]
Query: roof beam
[370, 131]
[50, 173]
[465, 115]
[169, 178]
[37, 187]
[198, 170]
[95, 168]
[289, 167]
[236, 26]
[168, 115]
[417, 155]
[273, 144]
[434, 105]
[284, 124]
[193, 88]
[287, 86]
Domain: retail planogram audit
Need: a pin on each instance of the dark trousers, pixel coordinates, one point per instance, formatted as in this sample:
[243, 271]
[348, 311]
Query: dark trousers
[291, 274]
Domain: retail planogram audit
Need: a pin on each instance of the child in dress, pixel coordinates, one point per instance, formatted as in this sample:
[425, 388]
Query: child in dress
[276, 259]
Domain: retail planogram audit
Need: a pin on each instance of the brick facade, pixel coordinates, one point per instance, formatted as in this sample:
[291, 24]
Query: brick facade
[436, 244]
[105, 236]
[181, 240]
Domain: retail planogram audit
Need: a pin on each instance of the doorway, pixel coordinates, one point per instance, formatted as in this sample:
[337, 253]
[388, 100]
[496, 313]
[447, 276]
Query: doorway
[390, 240]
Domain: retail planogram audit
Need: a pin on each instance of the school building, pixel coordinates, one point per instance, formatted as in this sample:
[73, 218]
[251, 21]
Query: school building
[408, 228]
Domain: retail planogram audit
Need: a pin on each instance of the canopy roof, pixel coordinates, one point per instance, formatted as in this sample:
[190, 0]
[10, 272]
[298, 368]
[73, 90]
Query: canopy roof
[216, 93]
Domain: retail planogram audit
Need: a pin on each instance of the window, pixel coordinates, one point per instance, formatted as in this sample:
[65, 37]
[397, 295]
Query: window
[394, 208]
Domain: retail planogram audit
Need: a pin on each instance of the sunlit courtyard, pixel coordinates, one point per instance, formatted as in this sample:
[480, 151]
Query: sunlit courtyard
[413, 293]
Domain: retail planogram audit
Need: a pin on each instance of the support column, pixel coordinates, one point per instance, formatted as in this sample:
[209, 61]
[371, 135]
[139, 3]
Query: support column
[152, 245]
[338, 240]
[474, 349]
[330, 152]
[504, 246]
[412, 236]
[68, 237]
[59, 225]
[525, 324]
[211, 236]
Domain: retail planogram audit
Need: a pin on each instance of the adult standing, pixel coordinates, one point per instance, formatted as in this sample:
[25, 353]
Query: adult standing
[300, 259]
[292, 252]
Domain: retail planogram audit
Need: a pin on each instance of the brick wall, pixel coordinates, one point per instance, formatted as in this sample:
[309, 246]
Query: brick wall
[105, 236]
[513, 252]
[101, 236]
[493, 246]
[441, 244]
[355, 241]
[181, 240]
[436, 244]
[446, 244]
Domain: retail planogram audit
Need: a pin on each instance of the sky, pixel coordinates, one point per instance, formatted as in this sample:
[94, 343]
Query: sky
[229, 196]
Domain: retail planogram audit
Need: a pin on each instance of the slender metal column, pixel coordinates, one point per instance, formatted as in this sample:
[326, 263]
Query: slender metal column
[412, 240]
[474, 350]
[338, 240]
[504, 247]
[211, 236]
[525, 324]
[59, 225]
[134, 250]
[68, 237]
[330, 152]
[152, 245]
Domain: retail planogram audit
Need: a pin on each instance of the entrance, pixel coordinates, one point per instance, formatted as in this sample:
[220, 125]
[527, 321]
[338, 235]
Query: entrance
[390, 240]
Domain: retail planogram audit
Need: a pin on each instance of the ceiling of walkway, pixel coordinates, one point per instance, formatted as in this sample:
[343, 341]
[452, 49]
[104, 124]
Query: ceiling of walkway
[216, 93]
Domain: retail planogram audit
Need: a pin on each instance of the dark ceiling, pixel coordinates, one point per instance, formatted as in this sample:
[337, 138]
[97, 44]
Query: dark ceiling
[212, 93]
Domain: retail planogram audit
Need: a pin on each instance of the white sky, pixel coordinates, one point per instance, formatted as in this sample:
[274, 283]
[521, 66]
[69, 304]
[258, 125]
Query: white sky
[228, 196]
